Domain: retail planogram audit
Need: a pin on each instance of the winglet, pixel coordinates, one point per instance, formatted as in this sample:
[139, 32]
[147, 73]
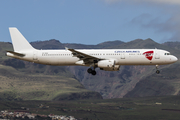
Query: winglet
[66, 48]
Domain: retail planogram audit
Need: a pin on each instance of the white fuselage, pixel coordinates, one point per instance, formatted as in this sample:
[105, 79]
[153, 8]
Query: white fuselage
[121, 56]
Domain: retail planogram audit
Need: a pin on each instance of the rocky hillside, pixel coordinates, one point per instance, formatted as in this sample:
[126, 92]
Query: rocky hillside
[21, 80]
[130, 81]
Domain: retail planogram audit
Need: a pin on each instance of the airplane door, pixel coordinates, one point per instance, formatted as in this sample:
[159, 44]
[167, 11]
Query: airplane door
[35, 55]
[122, 56]
[157, 54]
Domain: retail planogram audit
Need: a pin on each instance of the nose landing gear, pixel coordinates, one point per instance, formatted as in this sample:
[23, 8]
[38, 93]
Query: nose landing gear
[157, 71]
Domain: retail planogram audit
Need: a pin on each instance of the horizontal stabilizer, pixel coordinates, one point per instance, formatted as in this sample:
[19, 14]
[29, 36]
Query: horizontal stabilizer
[15, 53]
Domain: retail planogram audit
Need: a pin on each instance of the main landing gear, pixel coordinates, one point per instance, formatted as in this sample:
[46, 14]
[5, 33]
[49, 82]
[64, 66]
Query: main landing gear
[157, 71]
[91, 71]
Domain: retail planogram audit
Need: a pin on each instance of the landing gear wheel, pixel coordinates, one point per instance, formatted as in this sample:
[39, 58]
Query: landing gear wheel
[93, 72]
[157, 71]
[89, 70]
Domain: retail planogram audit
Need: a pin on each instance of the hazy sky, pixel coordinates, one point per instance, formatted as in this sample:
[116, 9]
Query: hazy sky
[91, 21]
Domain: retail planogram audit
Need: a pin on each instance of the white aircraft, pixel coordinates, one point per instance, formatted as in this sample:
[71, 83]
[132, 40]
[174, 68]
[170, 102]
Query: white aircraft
[105, 59]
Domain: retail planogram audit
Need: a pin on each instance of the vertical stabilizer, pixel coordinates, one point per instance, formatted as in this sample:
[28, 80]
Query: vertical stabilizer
[18, 40]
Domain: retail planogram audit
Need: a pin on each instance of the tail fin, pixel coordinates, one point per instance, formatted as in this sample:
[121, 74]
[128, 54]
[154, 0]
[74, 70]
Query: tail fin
[18, 40]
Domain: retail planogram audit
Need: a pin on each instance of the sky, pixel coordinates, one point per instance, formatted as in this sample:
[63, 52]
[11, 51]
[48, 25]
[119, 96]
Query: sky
[91, 21]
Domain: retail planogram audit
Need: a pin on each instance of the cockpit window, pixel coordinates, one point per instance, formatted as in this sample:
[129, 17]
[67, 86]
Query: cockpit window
[167, 54]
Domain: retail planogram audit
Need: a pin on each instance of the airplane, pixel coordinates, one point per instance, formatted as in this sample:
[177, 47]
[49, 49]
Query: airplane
[105, 59]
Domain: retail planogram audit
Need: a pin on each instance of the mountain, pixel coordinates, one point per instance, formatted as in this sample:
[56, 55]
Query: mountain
[55, 44]
[175, 45]
[122, 83]
[130, 81]
[20, 80]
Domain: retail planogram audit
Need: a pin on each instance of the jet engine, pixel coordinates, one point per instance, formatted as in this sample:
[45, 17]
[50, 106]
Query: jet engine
[108, 65]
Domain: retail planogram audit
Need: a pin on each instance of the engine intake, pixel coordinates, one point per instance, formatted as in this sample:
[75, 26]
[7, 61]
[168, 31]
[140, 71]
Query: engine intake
[108, 65]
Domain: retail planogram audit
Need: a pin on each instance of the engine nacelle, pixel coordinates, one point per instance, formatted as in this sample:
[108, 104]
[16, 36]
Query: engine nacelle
[108, 65]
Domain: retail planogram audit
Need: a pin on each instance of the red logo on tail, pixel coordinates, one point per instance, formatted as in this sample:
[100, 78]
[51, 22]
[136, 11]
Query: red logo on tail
[149, 54]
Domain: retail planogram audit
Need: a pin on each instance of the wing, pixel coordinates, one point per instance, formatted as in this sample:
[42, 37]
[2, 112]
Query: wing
[88, 59]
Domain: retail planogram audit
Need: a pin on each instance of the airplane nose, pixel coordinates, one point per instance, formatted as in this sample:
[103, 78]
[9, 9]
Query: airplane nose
[174, 59]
